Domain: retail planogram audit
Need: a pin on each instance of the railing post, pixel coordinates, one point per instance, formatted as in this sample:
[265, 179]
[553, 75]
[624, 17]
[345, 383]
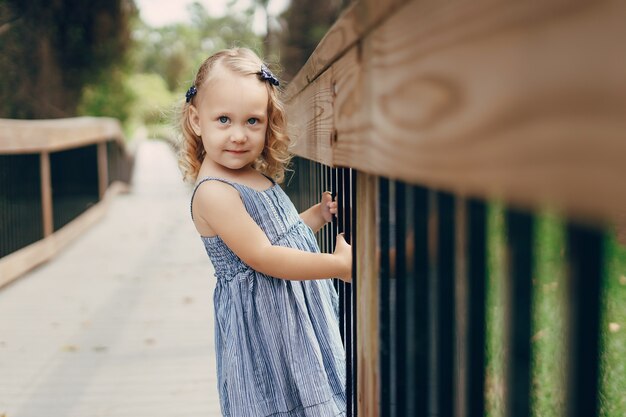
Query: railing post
[46, 193]
[103, 169]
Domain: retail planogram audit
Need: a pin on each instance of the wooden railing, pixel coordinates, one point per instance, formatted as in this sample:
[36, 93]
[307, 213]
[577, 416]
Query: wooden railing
[419, 115]
[51, 172]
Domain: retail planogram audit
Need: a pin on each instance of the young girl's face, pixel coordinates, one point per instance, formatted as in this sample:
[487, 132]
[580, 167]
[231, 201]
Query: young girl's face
[230, 115]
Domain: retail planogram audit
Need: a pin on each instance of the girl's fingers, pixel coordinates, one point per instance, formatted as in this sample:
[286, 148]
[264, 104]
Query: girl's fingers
[329, 206]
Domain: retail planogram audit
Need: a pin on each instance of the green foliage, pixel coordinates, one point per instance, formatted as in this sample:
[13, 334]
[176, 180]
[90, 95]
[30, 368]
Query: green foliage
[152, 97]
[52, 50]
[111, 97]
[548, 311]
[494, 372]
[153, 104]
[613, 328]
[306, 24]
[176, 51]
[166, 60]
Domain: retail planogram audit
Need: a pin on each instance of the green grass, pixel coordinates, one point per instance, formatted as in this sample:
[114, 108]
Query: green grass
[548, 328]
[548, 318]
[613, 327]
[494, 375]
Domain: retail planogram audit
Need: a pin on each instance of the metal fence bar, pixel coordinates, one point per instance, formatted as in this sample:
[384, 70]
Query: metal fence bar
[331, 228]
[345, 216]
[21, 221]
[518, 315]
[305, 186]
[384, 247]
[75, 184]
[354, 290]
[339, 223]
[585, 261]
[426, 353]
[476, 277]
[445, 304]
[418, 289]
[401, 302]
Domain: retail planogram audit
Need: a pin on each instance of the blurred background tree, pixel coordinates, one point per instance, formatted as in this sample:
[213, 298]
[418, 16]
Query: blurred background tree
[306, 22]
[64, 58]
[165, 60]
[52, 49]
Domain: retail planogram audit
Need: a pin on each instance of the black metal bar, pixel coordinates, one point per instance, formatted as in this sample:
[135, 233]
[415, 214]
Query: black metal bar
[585, 270]
[327, 229]
[384, 246]
[20, 202]
[338, 221]
[315, 181]
[445, 305]
[518, 314]
[340, 190]
[307, 190]
[418, 290]
[346, 220]
[353, 240]
[402, 389]
[74, 177]
[477, 275]
[334, 187]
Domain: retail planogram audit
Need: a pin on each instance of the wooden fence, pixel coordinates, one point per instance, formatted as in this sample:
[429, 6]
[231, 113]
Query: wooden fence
[53, 174]
[418, 114]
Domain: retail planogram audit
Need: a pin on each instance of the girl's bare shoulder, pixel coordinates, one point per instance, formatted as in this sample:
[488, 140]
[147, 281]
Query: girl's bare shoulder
[211, 190]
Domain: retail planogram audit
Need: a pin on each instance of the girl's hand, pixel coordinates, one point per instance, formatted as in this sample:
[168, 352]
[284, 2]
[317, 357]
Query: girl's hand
[328, 206]
[343, 251]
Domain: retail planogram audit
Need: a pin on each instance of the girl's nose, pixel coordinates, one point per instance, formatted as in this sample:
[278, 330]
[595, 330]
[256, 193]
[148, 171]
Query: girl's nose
[238, 135]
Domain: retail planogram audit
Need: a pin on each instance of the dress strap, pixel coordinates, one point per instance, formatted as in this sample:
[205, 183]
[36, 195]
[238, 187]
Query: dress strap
[202, 180]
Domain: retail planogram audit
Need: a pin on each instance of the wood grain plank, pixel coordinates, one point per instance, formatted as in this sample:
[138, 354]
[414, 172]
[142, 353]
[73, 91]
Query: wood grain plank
[367, 297]
[34, 136]
[358, 19]
[46, 194]
[310, 121]
[520, 101]
[352, 110]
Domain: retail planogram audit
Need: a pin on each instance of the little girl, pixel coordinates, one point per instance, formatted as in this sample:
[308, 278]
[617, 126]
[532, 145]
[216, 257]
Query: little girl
[279, 351]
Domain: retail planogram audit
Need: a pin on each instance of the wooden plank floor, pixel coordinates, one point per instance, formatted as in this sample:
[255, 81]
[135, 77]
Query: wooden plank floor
[120, 323]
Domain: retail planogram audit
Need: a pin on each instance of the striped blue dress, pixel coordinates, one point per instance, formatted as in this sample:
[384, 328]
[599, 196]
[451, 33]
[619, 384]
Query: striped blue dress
[279, 351]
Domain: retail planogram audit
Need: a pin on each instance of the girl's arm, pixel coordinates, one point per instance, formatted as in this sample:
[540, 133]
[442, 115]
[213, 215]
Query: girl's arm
[219, 205]
[321, 213]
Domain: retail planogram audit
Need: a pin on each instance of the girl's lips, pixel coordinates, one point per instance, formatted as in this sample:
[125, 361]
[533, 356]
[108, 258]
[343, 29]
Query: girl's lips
[232, 151]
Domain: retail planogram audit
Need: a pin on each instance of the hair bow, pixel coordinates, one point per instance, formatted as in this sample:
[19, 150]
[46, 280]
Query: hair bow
[266, 75]
[190, 93]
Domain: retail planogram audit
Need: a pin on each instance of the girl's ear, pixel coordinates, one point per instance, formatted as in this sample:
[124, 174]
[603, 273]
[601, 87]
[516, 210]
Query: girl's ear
[194, 120]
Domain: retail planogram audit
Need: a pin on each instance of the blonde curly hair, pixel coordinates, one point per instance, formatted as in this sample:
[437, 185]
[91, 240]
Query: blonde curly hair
[275, 156]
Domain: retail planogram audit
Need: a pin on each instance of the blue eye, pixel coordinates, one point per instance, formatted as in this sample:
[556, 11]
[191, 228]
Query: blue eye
[253, 121]
[223, 119]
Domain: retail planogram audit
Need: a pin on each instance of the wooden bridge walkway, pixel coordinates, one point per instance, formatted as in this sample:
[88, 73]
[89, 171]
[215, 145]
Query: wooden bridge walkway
[120, 323]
